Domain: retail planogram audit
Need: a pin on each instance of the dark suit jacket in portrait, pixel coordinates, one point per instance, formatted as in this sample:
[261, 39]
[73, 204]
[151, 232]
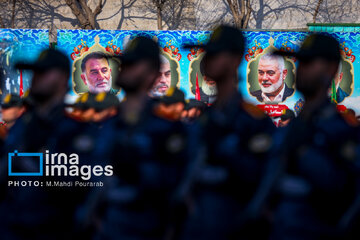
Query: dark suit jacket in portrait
[341, 95]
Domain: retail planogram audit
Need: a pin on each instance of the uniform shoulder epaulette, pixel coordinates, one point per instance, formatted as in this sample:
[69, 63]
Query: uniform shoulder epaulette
[71, 116]
[253, 110]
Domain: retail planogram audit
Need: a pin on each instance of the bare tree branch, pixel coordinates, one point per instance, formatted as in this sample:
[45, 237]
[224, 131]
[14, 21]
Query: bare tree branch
[2, 25]
[84, 22]
[98, 8]
[84, 14]
[13, 14]
[248, 15]
[159, 4]
[241, 11]
[317, 10]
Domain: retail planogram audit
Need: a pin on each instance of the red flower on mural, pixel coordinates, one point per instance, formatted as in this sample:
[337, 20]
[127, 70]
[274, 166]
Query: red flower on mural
[79, 50]
[172, 51]
[195, 52]
[346, 52]
[253, 52]
[166, 49]
[190, 57]
[73, 56]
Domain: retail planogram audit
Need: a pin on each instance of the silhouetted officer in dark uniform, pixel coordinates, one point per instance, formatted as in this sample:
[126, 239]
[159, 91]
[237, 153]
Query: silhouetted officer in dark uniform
[318, 184]
[45, 107]
[12, 108]
[237, 138]
[148, 154]
[39, 212]
[171, 105]
[95, 107]
[193, 110]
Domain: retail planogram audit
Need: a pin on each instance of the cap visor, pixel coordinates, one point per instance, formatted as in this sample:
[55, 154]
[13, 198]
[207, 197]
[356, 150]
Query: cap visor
[7, 105]
[34, 67]
[25, 66]
[128, 58]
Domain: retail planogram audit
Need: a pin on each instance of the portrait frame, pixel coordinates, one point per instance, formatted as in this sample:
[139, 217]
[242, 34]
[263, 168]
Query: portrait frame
[252, 83]
[77, 84]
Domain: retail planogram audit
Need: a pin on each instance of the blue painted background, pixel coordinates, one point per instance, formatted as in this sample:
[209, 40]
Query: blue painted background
[19, 45]
[68, 39]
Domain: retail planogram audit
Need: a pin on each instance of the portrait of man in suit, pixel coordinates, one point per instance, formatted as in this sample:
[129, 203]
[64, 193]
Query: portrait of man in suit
[340, 93]
[96, 73]
[208, 89]
[163, 82]
[271, 74]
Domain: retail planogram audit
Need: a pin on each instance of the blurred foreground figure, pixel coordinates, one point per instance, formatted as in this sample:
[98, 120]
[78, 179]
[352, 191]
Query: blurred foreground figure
[106, 106]
[171, 105]
[236, 137]
[147, 153]
[95, 107]
[11, 109]
[37, 212]
[317, 186]
[286, 118]
[45, 102]
[78, 108]
[193, 110]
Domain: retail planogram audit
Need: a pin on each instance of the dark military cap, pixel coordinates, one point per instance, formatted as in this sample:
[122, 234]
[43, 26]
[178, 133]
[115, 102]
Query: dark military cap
[224, 39]
[288, 114]
[316, 46]
[141, 48]
[193, 103]
[173, 95]
[12, 100]
[48, 59]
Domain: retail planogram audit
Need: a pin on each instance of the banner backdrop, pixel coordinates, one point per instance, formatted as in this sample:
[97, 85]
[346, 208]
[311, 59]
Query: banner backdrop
[19, 45]
[266, 81]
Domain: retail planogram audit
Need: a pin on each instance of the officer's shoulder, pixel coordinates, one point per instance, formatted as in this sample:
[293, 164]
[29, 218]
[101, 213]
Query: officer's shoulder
[336, 123]
[163, 123]
[71, 118]
[252, 110]
[349, 118]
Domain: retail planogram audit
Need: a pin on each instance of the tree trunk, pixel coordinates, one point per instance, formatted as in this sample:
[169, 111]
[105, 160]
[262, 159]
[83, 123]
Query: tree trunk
[1, 23]
[247, 16]
[13, 14]
[234, 8]
[317, 10]
[159, 18]
[84, 14]
[241, 11]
